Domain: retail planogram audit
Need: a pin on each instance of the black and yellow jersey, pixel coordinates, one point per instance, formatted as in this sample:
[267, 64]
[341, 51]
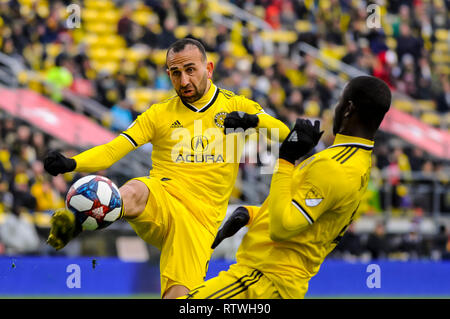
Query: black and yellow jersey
[306, 213]
[193, 157]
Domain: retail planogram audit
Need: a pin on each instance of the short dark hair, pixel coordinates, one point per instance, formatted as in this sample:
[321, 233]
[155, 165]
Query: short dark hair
[181, 44]
[371, 97]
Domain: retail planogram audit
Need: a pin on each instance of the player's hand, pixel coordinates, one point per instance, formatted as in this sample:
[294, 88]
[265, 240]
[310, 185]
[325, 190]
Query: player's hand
[301, 140]
[238, 119]
[238, 219]
[64, 227]
[55, 163]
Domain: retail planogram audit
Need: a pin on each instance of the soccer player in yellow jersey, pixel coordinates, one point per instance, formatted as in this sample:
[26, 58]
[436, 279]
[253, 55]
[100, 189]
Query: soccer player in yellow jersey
[309, 206]
[180, 205]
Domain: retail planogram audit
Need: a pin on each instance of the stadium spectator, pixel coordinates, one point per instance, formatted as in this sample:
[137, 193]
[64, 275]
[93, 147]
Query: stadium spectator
[59, 77]
[122, 115]
[377, 243]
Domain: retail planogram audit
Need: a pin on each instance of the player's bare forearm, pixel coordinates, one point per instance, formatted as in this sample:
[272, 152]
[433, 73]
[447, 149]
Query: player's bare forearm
[102, 156]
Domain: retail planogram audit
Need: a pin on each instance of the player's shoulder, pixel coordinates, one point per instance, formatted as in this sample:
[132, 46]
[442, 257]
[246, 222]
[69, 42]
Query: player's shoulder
[322, 162]
[163, 105]
[227, 93]
[323, 169]
[167, 102]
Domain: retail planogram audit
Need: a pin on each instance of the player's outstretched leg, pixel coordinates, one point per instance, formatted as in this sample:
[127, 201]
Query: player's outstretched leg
[65, 227]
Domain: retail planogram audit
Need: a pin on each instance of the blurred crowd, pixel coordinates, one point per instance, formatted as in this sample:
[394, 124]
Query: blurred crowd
[286, 85]
[382, 244]
[405, 181]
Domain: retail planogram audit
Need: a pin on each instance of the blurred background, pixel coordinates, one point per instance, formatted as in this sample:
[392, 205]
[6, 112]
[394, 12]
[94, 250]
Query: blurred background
[75, 73]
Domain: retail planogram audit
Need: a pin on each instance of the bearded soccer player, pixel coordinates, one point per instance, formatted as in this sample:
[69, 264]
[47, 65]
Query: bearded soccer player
[309, 206]
[180, 205]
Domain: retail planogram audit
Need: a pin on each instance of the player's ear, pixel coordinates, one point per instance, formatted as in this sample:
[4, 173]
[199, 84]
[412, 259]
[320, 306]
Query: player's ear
[350, 109]
[210, 68]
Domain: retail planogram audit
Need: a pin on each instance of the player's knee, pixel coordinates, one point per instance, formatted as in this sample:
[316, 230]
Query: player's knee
[134, 197]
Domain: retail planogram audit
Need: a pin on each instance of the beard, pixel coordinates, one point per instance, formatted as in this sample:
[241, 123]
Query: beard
[194, 93]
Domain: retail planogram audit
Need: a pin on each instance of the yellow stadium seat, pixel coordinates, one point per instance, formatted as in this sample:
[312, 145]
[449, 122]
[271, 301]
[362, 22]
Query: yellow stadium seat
[426, 105]
[391, 43]
[89, 15]
[439, 57]
[312, 109]
[214, 57]
[404, 105]
[279, 36]
[158, 57]
[265, 61]
[110, 66]
[91, 39]
[444, 69]
[431, 118]
[303, 26]
[109, 16]
[42, 219]
[143, 97]
[100, 28]
[142, 17]
[116, 54]
[112, 41]
[441, 46]
[99, 53]
[218, 7]
[99, 4]
[181, 31]
[442, 34]
[53, 49]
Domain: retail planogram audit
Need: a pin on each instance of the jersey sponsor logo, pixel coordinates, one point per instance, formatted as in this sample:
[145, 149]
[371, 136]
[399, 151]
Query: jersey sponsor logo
[219, 119]
[199, 143]
[313, 197]
[199, 158]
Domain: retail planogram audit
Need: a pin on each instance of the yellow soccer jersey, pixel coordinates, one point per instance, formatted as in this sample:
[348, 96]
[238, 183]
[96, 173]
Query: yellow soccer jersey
[315, 202]
[193, 157]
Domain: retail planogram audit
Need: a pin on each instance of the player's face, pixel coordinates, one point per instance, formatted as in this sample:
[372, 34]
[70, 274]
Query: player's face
[189, 73]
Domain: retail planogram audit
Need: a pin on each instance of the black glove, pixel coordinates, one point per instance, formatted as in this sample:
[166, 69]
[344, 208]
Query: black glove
[55, 163]
[301, 140]
[238, 219]
[238, 119]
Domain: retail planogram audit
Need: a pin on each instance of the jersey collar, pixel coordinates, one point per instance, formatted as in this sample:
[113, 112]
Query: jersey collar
[205, 102]
[346, 140]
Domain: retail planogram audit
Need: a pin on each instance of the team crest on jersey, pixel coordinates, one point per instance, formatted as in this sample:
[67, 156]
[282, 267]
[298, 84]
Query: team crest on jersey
[313, 197]
[219, 118]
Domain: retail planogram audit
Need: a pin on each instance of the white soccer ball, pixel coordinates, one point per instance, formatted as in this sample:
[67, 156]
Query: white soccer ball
[95, 200]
